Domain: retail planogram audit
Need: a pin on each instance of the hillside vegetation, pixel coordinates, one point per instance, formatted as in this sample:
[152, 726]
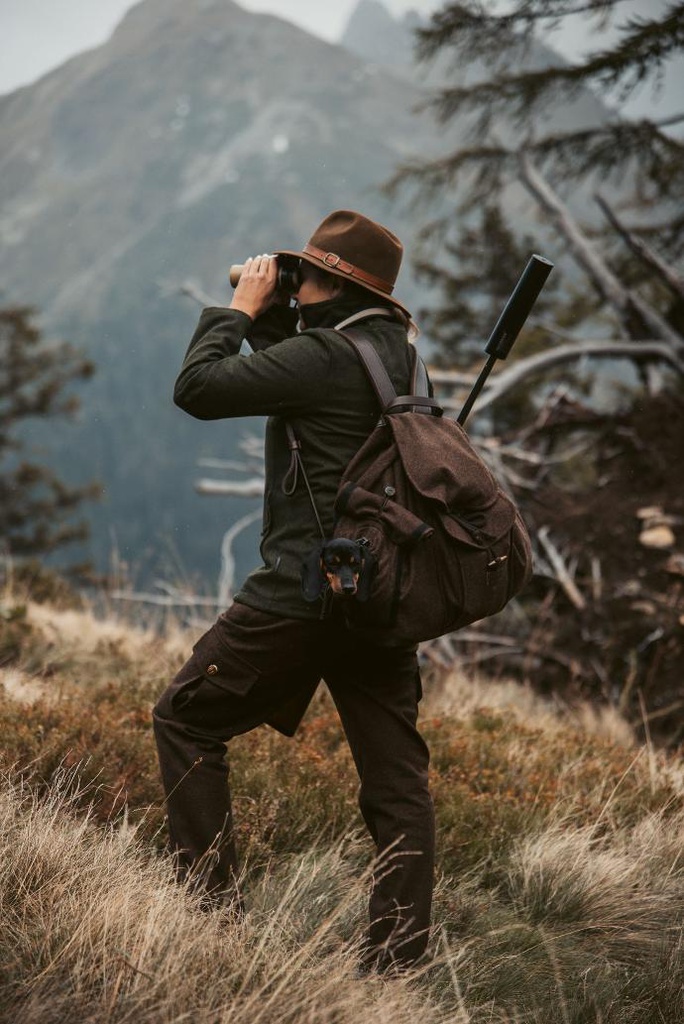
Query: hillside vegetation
[560, 892]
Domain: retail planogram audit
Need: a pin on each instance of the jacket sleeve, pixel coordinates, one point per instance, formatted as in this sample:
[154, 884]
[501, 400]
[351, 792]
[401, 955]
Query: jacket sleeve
[276, 324]
[216, 382]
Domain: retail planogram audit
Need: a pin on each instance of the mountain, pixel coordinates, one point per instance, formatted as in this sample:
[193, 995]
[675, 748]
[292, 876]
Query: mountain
[374, 34]
[199, 134]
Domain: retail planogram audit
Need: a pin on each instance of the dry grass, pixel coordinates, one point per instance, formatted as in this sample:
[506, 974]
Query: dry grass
[560, 891]
[460, 696]
[93, 930]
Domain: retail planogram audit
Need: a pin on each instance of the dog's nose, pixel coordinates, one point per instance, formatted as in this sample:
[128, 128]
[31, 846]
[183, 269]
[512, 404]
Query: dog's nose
[348, 579]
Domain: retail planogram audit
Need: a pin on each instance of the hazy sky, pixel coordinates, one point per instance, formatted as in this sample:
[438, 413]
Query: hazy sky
[37, 35]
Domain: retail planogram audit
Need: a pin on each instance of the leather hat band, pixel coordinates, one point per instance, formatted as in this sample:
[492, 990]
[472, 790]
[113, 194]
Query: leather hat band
[330, 259]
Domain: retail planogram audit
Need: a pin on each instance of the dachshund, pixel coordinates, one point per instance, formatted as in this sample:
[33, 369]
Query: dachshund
[344, 567]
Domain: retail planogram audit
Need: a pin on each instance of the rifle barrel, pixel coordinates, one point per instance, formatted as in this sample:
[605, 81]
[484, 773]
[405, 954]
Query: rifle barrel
[517, 309]
[509, 324]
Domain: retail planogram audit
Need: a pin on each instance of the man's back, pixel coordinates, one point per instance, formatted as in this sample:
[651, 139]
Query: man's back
[314, 381]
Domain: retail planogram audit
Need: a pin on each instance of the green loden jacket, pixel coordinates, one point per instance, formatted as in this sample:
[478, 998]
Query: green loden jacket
[315, 380]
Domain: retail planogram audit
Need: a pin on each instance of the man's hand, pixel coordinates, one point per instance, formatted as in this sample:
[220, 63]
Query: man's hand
[257, 287]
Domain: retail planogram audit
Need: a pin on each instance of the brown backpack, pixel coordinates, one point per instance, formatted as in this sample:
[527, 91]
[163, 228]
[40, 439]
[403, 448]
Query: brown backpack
[449, 546]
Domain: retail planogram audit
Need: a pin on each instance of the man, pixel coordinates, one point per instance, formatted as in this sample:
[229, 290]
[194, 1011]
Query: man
[263, 659]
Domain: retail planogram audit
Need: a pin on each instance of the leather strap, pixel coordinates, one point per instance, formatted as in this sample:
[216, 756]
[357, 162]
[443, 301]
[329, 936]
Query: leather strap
[364, 314]
[416, 403]
[289, 484]
[382, 385]
[334, 262]
[378, 375]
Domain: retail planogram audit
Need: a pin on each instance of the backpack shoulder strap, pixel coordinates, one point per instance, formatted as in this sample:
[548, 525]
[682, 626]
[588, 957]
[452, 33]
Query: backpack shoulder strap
[373, 365]
[380, 379]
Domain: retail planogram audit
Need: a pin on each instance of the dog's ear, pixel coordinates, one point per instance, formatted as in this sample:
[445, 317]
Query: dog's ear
[312, 577]
[366, 576]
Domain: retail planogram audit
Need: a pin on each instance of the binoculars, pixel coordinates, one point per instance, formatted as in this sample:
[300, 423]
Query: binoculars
[289, 274]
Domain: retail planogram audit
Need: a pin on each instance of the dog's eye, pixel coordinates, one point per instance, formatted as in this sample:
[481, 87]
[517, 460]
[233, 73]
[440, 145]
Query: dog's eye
[335, 560]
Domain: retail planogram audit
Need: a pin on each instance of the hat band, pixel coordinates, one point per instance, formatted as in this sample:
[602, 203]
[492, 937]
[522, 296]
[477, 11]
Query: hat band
[335, 262]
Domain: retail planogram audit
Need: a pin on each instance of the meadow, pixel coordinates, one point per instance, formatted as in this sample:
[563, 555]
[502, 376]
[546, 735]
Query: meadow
[560, 880]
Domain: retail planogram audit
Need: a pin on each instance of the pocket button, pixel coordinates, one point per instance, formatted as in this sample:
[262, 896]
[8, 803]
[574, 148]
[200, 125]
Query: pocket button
[212, 670]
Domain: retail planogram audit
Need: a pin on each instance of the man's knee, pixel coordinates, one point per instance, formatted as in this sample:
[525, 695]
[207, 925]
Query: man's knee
[402, 795]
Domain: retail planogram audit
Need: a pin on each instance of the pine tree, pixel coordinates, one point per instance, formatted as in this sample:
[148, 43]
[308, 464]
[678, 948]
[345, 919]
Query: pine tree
[507, 98]
[476, 274]
[36, 507]
[583, 479]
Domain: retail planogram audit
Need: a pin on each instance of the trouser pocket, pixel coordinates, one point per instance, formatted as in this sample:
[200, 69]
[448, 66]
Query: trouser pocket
[213, 663]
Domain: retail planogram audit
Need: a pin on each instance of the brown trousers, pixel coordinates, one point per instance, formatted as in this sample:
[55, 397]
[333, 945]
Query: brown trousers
[252, 667]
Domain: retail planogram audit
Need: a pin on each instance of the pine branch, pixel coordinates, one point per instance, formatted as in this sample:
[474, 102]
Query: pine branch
[522, 97]
[646, 44]
[488, 162]
[570, 155]
[650, 153]
[667, 122]
[467, 29]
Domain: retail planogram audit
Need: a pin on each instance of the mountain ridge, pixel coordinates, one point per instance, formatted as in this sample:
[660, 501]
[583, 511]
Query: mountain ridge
[198, 134]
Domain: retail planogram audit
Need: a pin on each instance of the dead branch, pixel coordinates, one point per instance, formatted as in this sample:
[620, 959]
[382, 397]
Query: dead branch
[164, 600]
[562, 574]
[240, 467]
[452, 377]
[596, 579]
[193, 291]
[252, 488]
[432, 655]
[505, 473]
[252, 446]
[537, 458]
[479, 657]
[496, 645]
[634, 313]
[641, 250]
[502, 382]
[227, 574]
[475, 636]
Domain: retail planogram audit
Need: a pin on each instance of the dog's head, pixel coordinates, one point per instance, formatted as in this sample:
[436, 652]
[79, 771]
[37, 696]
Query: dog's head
[346, 566]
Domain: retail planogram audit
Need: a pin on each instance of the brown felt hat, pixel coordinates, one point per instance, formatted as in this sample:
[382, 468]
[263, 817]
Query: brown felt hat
[357, 249]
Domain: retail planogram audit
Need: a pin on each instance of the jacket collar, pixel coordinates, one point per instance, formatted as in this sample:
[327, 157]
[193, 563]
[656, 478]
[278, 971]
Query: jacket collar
[329, 313]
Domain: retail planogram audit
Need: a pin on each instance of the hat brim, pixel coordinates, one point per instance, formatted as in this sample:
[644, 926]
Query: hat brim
[345, 277]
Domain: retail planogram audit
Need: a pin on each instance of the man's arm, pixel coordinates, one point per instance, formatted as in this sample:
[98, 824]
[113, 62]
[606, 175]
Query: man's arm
[276, 324]
[216, 382]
